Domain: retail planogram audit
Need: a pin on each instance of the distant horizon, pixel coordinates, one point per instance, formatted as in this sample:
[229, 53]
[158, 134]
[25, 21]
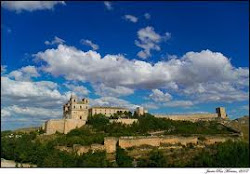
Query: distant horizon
[169, 57]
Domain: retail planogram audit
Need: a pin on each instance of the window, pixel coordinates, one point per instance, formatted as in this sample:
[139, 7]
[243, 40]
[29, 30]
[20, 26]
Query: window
[74, 107]
[80, 107]
[80, 117]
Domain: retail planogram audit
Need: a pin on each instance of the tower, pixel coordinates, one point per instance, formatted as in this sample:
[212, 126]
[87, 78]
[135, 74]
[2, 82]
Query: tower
[221, 111]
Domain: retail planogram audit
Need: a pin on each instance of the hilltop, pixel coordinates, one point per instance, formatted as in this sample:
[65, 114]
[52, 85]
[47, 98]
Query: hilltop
[85, 146]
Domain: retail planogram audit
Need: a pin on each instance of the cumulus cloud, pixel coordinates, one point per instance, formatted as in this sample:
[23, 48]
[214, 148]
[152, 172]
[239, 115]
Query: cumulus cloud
[131, 18]
[149, 40]
[28, 101]
[112, 101]
[89, 43]
[55, 41]
[103, 90]
[190, 75]
[30, 6]
[3, 69]
[158, 96]
[147, 16]
[37, 112]
[28, 93]
[24, 73]
[78, 90]
[161, 99]
[179, 103]
[108, 5]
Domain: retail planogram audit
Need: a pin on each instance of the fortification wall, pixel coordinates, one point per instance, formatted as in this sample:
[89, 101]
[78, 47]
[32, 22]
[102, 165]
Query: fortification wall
[72, 124]
[53, 126]
[123, 120]
[110, 144]
[62, 125]
[178, 140]
[126, 142]
[189, 117]
[156, 141]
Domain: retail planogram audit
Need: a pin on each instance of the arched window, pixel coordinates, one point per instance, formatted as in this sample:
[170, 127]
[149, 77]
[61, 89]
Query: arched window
[80, 117]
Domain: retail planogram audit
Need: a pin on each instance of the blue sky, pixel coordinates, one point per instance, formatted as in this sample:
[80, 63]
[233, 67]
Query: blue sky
[170, 57]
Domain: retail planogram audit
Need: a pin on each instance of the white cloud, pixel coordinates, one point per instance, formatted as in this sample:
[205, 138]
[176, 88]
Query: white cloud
[108, 5]
[195, 74]
[24, 73]
[55, 41]
[3, 69]
[103, 90]
[147, 16]
[149, 40]
[28, 101]
[179, 103]
[78, 90]
[89, 43]
[112, 101]
[131, 18]
[29, 111]
[27, 93]
[158, 96]
[30, 6]
[150, 105]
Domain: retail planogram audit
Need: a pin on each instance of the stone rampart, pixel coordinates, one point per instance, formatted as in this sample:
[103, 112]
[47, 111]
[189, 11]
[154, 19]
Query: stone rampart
[53, 126]
[72, 124]
[123, 120]
[110, 144]
[179, 140]
[189, 117]
[62, 125]
[126, 142]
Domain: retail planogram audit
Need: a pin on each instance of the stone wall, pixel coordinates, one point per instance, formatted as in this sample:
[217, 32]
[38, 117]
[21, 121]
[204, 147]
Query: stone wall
[110, 144]
[126, 142]
[179, 140]
[72, 124]
[62, 125]
[156, 141]
[53, 126]
[123, 120]
[189, 117]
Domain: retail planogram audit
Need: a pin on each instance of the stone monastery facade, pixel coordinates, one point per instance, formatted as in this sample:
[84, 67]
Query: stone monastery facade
[75, 115]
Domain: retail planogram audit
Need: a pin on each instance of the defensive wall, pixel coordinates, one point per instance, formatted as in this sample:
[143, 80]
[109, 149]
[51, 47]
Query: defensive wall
[189, 117]
[62, 125]
[110, 143]
[220, 114]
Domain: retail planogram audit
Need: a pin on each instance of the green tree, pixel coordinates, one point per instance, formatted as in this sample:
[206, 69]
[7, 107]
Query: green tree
[122, 158]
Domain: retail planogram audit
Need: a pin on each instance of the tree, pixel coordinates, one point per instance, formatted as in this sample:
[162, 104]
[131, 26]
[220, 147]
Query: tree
[122, 158]
[156, 159]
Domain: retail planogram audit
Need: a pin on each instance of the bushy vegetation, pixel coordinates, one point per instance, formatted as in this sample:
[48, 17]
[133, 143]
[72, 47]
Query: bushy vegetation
[149, 123]
[156, 159]
[228, 154]
[122, 158]
[27, 150]
[32, 148]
